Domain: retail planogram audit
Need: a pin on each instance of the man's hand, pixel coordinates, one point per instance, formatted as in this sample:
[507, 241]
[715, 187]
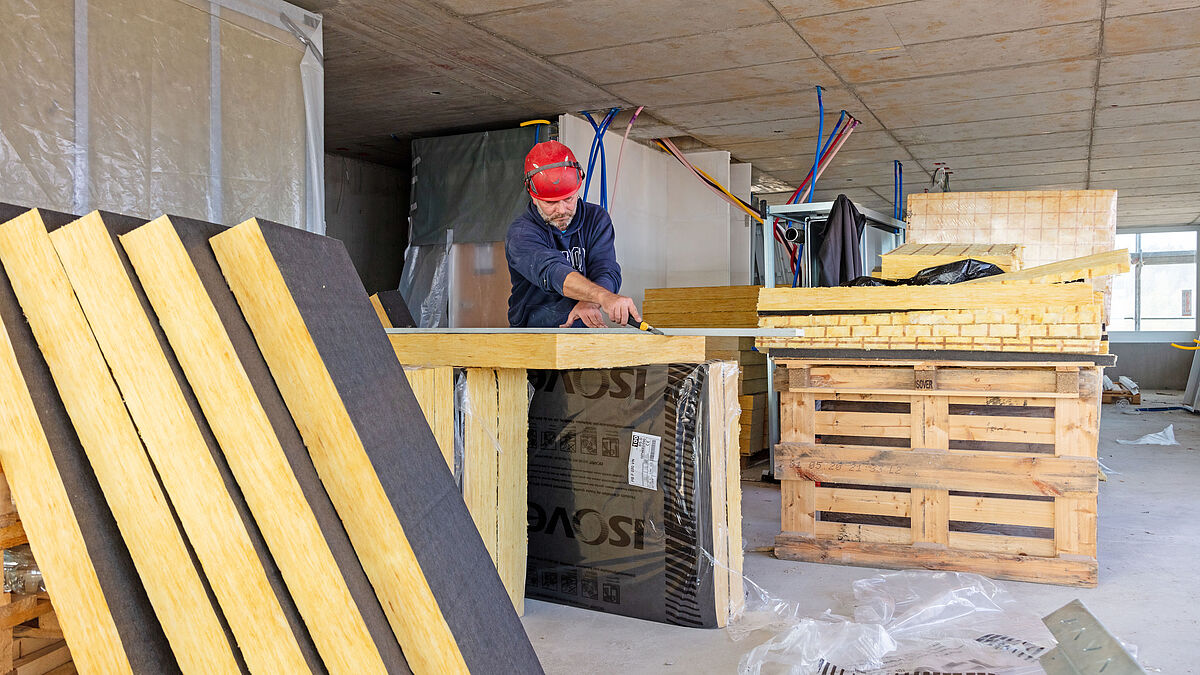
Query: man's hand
[588, 312]
[619, 308]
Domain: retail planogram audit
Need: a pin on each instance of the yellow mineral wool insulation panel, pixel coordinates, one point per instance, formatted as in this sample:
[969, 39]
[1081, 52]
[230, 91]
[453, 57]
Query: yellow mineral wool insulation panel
[434, 388]
[907, 260]
[181, 454]
[379, 462]
[547, 351]
[111, 442]
[254, 452]
[899, 298]
[54, 533]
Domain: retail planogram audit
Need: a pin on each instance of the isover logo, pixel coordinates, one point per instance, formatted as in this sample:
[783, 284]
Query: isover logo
[588, 526]
[593, 384]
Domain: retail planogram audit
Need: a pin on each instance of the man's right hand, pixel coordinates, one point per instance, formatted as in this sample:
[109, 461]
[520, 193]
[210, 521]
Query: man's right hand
[619, 308]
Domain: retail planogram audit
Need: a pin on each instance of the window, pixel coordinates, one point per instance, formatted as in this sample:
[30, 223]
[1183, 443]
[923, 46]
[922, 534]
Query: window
[1159, 294]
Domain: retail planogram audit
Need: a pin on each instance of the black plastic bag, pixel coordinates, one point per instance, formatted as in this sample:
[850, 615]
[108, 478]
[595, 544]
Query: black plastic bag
[872, 281]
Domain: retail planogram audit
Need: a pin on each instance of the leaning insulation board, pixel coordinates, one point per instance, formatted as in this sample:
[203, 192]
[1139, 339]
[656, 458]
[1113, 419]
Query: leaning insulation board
[375, 454]
[634, 499]
[177, 590]
[189, 463]
[105, 613]
[303, 547]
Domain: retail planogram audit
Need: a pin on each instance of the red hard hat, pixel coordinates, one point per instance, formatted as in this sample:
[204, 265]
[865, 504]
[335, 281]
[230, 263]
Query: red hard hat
[551, 172]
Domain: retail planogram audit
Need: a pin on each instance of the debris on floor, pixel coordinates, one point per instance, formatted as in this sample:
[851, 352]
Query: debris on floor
[1164, 437]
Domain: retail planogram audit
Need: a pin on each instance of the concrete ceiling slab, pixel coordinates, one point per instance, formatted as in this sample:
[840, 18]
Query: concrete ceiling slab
[1146, 93]
[1149, 130]
[561, 27]
[1159, 30]
[1006, 159]
[1012, 81]
[705, 52]
[1152, 148]
[1014, 126]
[1133, 115]
[1157, 65]
[759, 108]
[965, 54]
[926, 21]
[984, 146]
[984, 109]
[1143, 161]
[769, 78]
[1003, 95]
[1127, 7]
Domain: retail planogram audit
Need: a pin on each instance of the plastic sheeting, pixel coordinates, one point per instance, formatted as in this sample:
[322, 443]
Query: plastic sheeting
[900, 622]
[206, 109]
[472, 184]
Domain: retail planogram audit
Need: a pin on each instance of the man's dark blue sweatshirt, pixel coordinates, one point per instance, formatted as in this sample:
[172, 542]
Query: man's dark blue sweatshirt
[540, 257]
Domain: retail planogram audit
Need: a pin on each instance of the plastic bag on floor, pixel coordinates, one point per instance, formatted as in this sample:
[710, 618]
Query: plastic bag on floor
[1164, 437]
[912, 621]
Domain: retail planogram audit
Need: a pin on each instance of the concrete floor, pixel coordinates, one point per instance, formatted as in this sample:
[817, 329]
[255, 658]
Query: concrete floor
[1149, 540]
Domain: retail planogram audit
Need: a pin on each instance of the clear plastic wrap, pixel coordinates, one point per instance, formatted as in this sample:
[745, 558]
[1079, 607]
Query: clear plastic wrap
[910, 621]
[21, 573]
[210, 110]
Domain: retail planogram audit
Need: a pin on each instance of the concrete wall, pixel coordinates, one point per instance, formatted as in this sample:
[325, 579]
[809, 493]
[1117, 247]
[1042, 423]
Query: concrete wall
[1153, 365]
[366, 206]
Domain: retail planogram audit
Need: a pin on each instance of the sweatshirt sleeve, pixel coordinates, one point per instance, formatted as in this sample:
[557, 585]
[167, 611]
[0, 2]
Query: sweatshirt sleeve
[529, 254]
[602, 266]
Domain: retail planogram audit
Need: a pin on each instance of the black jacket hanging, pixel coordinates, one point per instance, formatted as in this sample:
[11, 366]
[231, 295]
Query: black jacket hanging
[840, 252]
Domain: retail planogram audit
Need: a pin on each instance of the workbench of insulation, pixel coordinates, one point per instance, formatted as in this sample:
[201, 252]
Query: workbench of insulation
[592, 392]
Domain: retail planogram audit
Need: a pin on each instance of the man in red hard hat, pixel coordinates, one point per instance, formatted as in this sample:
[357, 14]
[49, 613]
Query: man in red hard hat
[560, 251]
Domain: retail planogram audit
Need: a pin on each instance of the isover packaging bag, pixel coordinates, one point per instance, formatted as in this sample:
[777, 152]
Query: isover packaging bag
[620, 512]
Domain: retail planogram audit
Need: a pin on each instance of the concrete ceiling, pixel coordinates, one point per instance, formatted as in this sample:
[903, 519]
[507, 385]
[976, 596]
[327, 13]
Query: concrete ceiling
[1010, 94]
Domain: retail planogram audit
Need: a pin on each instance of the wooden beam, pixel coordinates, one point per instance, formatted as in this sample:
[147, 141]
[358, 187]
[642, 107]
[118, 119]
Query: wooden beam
[194, 236]
[110, 441]
[1076, 571]
[227, 397]
[938, 470]
[1074, 269]
[349, 398]
[912, 298]
[544, 351]
[181, 454]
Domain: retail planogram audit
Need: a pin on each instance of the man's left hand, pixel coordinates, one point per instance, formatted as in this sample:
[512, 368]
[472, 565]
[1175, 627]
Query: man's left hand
[587, 312]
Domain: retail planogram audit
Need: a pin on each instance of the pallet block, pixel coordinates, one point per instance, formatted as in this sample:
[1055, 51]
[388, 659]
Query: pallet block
[255, 454]
[173, 585]
[376, 457]
[180, 444]
[976, 467]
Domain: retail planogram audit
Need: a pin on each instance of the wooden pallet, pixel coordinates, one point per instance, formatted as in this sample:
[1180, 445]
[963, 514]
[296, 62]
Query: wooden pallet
[981, 467]
[1121, 395]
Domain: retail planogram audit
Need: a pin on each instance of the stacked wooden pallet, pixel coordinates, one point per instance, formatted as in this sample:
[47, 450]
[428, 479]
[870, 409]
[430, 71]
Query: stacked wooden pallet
[980, 466]
[907, 260]
[214, 454]
[1021, 311]
[722, 307]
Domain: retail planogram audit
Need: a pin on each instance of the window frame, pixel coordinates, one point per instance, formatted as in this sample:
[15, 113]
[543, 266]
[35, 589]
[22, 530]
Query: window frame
[1164, 336]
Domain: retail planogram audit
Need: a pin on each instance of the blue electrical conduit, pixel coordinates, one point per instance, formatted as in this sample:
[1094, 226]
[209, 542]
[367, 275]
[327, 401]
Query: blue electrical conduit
[897, 187]
[597, 150]
[820, 134]
[824, 151]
